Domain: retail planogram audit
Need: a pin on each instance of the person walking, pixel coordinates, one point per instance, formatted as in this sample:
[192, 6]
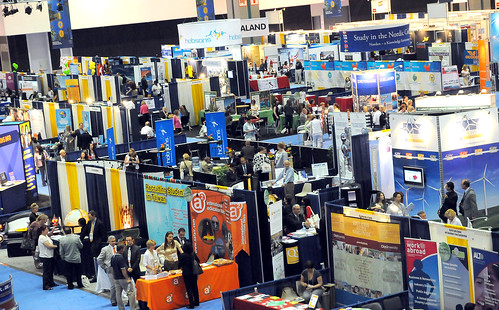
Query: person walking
[69, 249]
[40, 163]
[315, 131]
[186, 263]
[122, 282]
[288, 116]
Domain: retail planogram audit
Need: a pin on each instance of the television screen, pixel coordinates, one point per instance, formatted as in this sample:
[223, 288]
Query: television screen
[414, 176]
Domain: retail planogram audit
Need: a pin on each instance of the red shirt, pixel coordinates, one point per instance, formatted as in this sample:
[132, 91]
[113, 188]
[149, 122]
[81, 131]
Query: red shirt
[144, 109]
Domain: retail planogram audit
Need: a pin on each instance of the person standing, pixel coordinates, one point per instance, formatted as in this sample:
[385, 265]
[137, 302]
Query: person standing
[122, 282]
[249, 130]
[288, 177]
[261, 164]
[132, 258]
[186, 263]
[156, 89]
[69, 249]
[348, 84]
[168, 251]
[144, 86]
[298, 72]
[450, 201]
[68, 139]
[181, 239]
[288, 116]
[468, 206]
[244, 170]
[281, 156]
[77, 133]
[85, 139]
[46, 247]
[315, 131]
[151, 261]
[186, 168]
[177, 124]
[184, 117]
[248, 150]
[95, 232]
[376, 119]
[33, 215]
[144, 110]
[104, 260]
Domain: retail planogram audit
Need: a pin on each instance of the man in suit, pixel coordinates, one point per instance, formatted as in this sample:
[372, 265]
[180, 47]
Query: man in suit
[104, 261]
[245, 169]
[248, 151]
[132, 258]
[95, 233]
[450, 201]
[77, 133]
[62, 156]
[233, 159]
[467, 206]
[181, 237]
[295, 220]
[85, 139]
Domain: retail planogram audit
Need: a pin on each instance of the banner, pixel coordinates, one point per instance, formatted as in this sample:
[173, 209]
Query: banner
[494, 36]
[166, 208]
[367, 257]
[332, 8]
[276, 248]
[60, 24]
[368, 39]
[165, 138]
[450, 78]
[380, 6]
[29, 161]
[87, 123]
[62, 119]
[455, 269]
[422, 274]
[483, 65]
[219, 227]
[254, 27]
[471, 56]
[205, 10]
[37, 122]
[215, 127]
[111, 144]
[210, 33]
[421, 76]
[486, 278]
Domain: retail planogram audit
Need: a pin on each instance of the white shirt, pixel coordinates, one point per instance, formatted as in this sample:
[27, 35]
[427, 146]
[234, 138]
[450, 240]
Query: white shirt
[203, 132]
[156, 90]
[45, 251]
[151, 260]
[376, 117]
[395, 209]
[456, 221]
[315, 127]
[147, 130]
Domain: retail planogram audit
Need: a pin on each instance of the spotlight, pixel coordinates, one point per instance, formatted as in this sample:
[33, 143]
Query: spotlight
[5, 10]
[28, 9]
[60, 7]
[39, 6]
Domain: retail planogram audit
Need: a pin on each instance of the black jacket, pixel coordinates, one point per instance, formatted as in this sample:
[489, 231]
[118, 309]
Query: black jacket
[248, 152]
[84, 140]
[293, 223]
[240, 171]
[231, 177]
[235, 161]
[176, 238]
[185, 262]
[100, 235]
[450, 202]
[134, 260]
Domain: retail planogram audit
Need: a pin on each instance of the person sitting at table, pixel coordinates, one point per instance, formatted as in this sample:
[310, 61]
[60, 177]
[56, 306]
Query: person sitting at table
[186, 263]
[151, 260]
[92, 155]
[311, 280]
[207, 165]
[168, 252]
[254, 109]
[452, 218]
[397, 207]
[233, 159]
[281, 155]
[295, 220]
[248, 150]
[83, 156]
[147, 131]
[163, 113]
[249, 130]
[203, 132]
[186, 168]
[244, 169]
[379, 204]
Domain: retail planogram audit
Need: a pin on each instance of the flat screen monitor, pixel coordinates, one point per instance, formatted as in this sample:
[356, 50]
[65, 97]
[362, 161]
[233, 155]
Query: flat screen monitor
[413, 176]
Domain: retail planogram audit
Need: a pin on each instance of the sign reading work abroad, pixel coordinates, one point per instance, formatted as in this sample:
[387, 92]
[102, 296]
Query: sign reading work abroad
[368, 39]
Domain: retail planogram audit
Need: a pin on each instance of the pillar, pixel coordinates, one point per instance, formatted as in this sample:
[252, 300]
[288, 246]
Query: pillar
[39, 52]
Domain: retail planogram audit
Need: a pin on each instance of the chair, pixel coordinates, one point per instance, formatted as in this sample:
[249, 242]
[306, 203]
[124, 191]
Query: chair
[307, 188]
[373, 306]
[393, 303]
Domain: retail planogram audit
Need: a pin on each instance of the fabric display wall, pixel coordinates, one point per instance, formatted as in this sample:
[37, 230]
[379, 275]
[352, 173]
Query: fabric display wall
[49, 116]
[87, 88]
[374, 87]
[110, 89]
[115, 117]
[190, 93]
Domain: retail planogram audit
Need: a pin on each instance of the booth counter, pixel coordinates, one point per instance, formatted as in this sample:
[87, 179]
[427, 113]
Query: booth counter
[169, 293]
[280, 82]
[12, 198]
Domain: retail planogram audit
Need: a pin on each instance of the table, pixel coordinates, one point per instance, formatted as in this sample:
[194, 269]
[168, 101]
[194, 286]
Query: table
[269, 83]
[283, 82]
[282, 121]
[13, 197]
[345, 103]
[169, 293]
[257, 301]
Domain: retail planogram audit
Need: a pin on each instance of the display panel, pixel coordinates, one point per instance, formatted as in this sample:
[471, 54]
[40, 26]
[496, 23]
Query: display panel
[414, 176]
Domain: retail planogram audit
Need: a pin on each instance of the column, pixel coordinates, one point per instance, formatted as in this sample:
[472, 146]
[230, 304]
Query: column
[39, 52]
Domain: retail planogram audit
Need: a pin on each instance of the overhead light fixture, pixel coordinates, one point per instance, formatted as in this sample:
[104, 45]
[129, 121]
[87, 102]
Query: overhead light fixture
[39, 6]
[5, 10]
[28, 9]
[60, 7]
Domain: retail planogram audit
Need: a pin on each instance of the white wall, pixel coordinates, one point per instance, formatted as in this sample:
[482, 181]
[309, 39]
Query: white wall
[39, 52]
[21, 23]
[272, 4]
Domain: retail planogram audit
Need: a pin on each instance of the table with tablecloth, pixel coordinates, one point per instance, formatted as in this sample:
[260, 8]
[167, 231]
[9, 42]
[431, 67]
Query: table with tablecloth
[169, 293]
[270, 83]
[257, 301]
[12, 197]
[282, 121]
[345, 103]
[283, 82]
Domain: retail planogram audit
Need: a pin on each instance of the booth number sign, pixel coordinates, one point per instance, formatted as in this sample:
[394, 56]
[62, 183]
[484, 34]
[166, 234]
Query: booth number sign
[60, 25]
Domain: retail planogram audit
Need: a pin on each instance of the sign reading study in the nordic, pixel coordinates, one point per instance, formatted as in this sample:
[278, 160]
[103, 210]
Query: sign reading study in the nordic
[368, 39]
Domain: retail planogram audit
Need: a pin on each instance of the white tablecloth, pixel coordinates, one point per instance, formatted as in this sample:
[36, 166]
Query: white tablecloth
[267, 84]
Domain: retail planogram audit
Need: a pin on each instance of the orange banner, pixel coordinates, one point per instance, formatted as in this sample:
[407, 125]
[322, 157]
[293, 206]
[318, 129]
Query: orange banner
[239, 227]
[483, 64]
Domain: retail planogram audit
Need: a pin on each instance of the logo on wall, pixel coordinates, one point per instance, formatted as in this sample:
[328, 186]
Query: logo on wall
[413, 130]
[235, 212]
[470, 126]
[216, 34]
[207, 290]
[198, 202]
[432, 78]
[169, 298]
[175, 281]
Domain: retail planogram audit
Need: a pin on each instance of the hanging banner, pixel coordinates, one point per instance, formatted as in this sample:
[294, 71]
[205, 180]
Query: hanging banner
[422, 274]
[205, 9]
[62, 119]
[60, 24]
[471, 56]
[450, 78]
[486, 278]
[254, 27]
[216, 129]
[111, 144]
[367, 39]
[276, 248]
[494, 35]
[165, 139]
[210, 33]
[239, 227]
[483, 65]
[87, 123]
[332, 8]
[380, 6]
[166, 208]
[29, 162]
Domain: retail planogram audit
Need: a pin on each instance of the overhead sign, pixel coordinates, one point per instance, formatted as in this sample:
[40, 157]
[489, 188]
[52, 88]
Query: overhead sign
[332, 7]
[382, 38]
[210, 33]
[60, 24]
[205, 9]
[254, 27]
[380, 6]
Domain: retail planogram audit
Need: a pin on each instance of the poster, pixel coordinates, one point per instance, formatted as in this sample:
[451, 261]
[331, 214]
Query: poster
[11, 148]
[166, 209]
[494, 36]
[276, 248]
[37, 122]
[219, 227]
[62, 119]
[209, 34]
[216, 128]
[422, 274]
[486, 278]
[368, 39]
[87, 122]
[450, 78]
[380, 6]
[440, 52]
[471, 56]
[60, 24]
[165, 138]
[29, 161]
[111, 143]
[343, 144]
[332, 8]
[145, 72]
[455, 269]
[367, 257]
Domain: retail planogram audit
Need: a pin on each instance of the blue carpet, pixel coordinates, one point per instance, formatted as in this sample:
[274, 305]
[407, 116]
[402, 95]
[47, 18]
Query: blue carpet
[29, 294]
[295, 140]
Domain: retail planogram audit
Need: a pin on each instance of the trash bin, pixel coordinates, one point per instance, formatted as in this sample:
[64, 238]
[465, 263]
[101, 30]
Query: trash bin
[329, 297]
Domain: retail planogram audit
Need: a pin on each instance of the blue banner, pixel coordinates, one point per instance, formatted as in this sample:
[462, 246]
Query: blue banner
[332, 7]
[85, 116]
[422, 66]
[60, 24]
[367, 84]
[166, 209]
[494, 36]
[62, 119]
[111, 144]
[205, 9]
[29, 161]
[368, 40]
[215, 126]
[387, 82]
[165, 139]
